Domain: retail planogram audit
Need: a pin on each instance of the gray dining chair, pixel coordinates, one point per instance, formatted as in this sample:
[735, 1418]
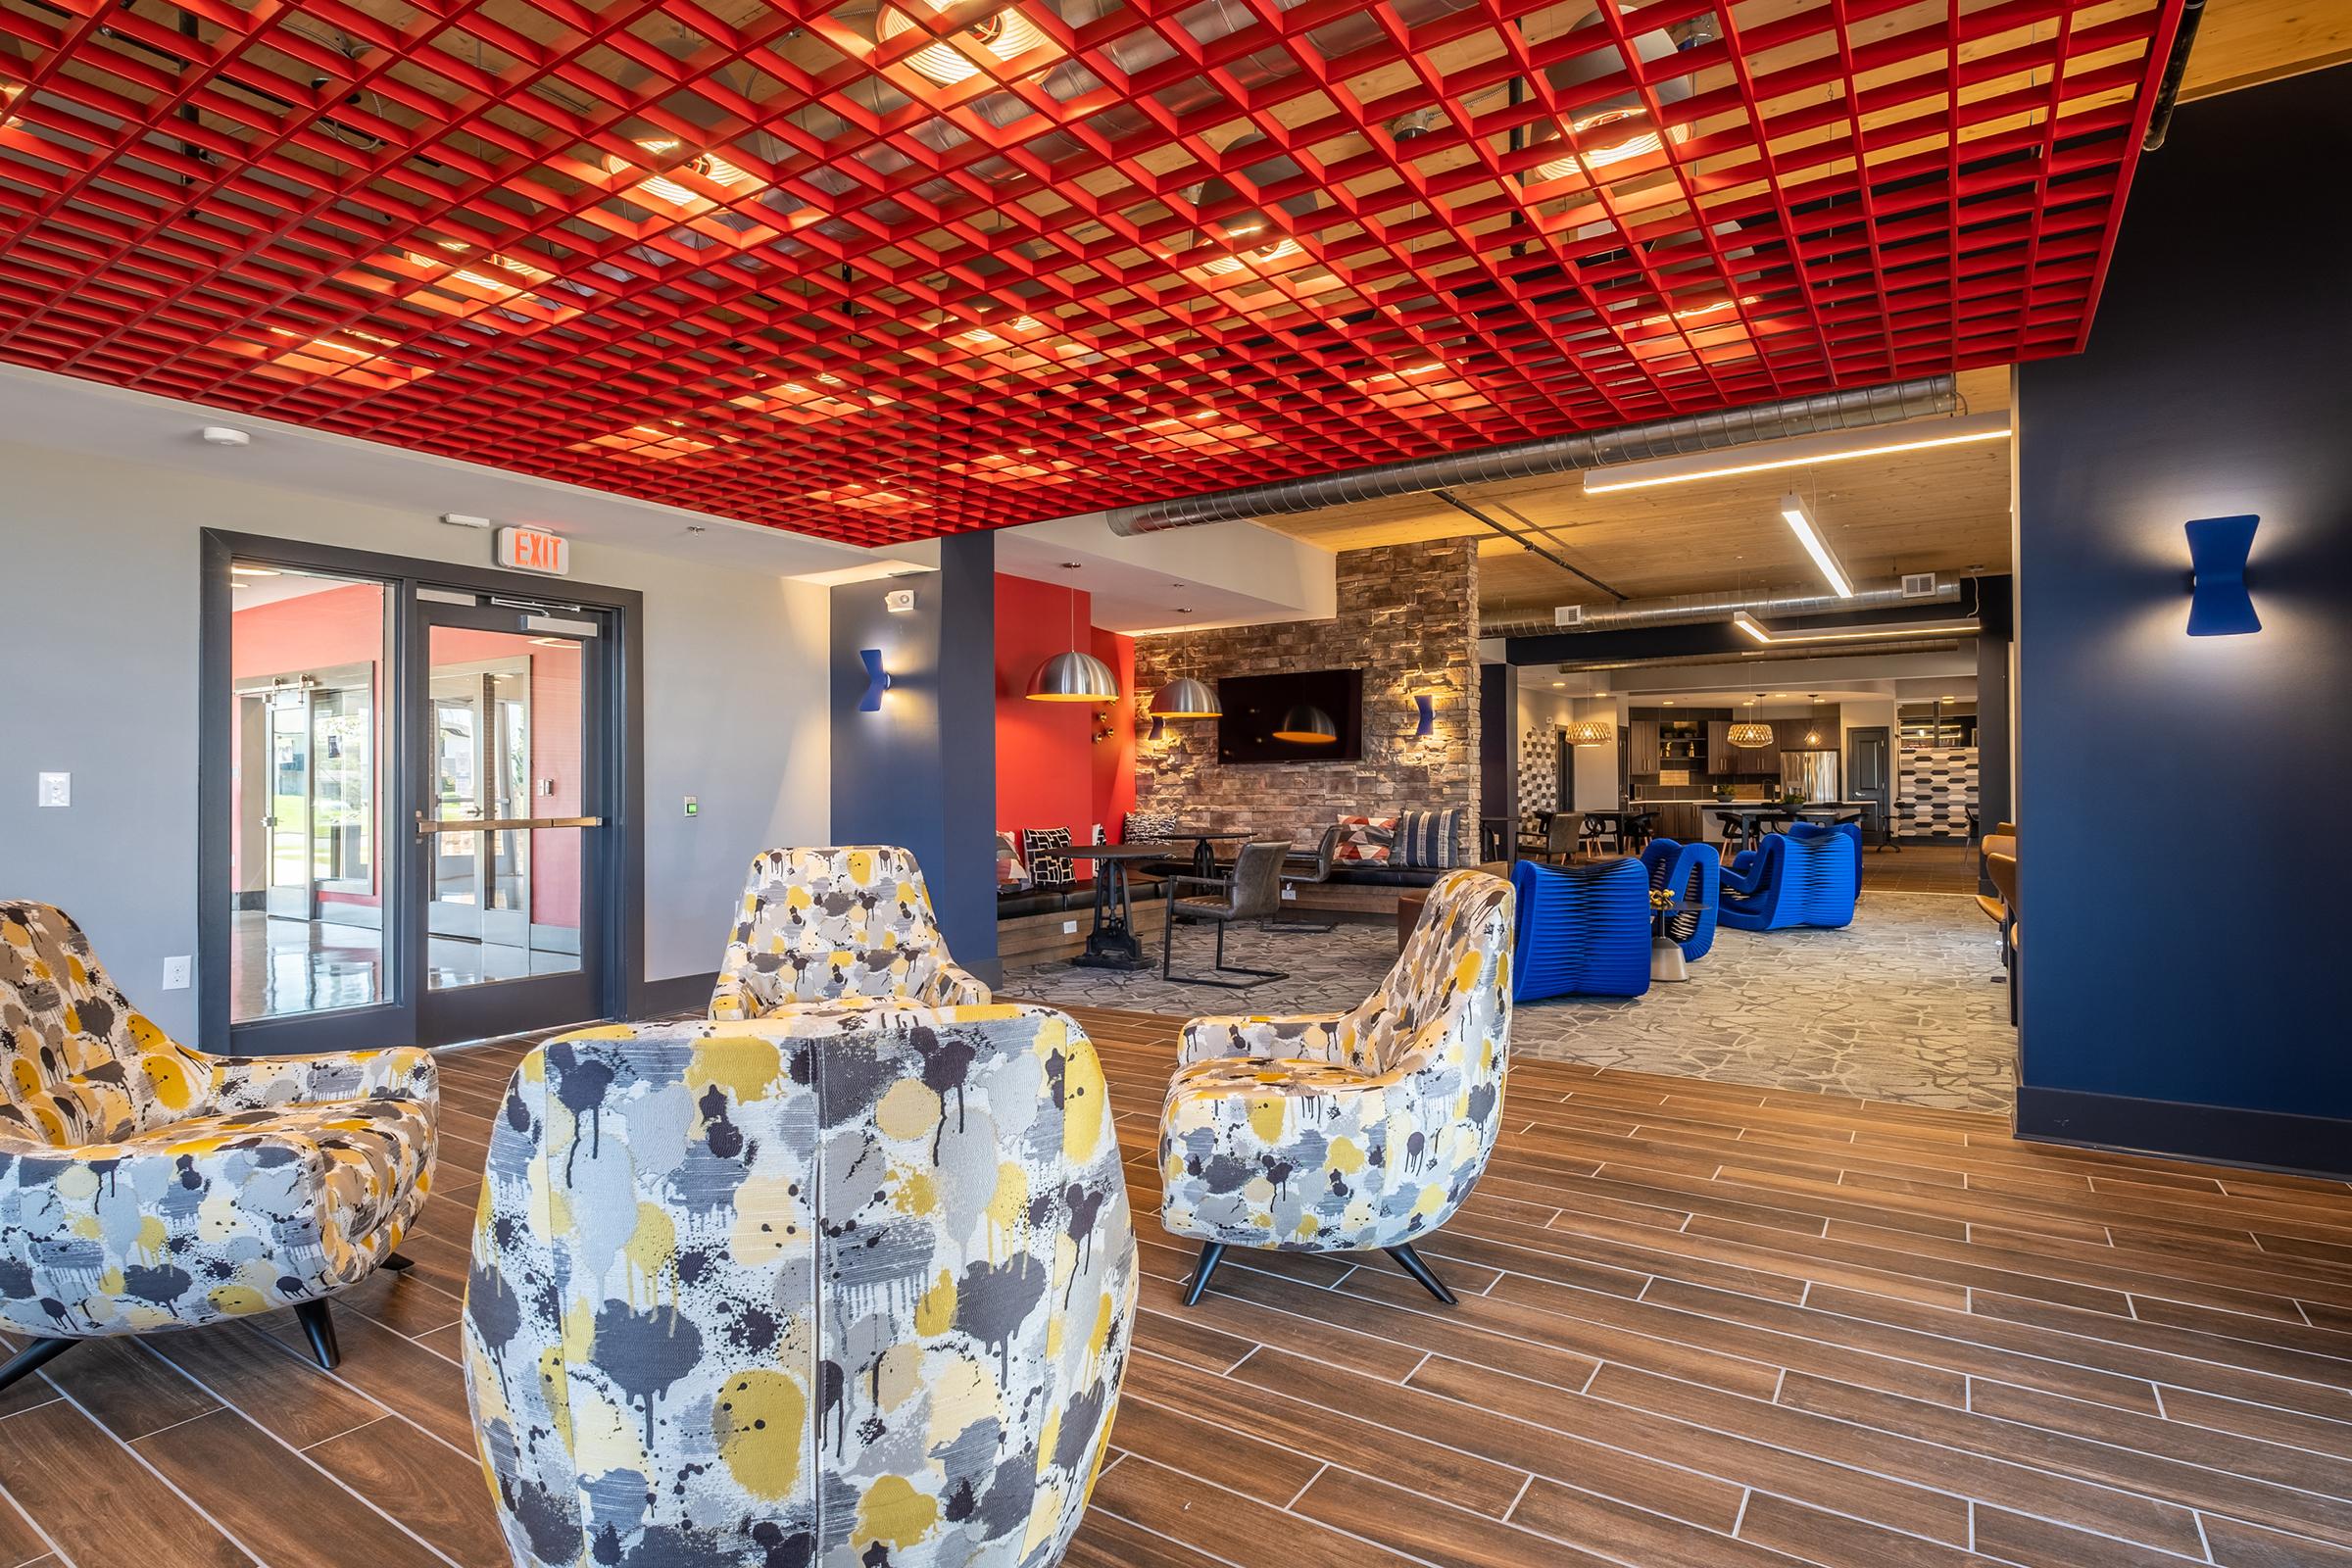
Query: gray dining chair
[1306, 870]
[1250, 891]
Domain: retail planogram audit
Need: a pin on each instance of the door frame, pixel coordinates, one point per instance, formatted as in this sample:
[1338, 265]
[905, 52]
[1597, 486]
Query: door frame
[620, 853]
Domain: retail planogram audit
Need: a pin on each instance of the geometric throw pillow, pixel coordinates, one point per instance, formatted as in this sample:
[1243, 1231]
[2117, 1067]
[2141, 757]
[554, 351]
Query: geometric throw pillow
[1047, 849]
[1430, 839]
[1365, 838]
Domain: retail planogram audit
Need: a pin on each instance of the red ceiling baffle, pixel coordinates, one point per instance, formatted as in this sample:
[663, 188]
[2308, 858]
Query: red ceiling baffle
[1009, 262]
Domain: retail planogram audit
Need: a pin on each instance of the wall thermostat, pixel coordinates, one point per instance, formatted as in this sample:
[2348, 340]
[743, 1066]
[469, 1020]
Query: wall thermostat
[899, 600]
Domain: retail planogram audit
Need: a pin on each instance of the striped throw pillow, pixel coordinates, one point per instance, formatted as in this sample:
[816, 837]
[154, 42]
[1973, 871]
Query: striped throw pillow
[1431, 839]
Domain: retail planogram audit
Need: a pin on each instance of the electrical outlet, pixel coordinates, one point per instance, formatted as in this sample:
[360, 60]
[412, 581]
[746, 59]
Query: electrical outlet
[1069, 928]
[1288, 891]
[694, 807]
[57, 789]
[175, 973]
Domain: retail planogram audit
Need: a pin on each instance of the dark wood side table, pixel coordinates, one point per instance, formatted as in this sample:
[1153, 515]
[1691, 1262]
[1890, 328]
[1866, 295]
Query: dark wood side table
[1409, 905]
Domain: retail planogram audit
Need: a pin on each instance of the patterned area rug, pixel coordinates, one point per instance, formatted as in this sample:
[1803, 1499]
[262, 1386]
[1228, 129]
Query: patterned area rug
[1901, 1006]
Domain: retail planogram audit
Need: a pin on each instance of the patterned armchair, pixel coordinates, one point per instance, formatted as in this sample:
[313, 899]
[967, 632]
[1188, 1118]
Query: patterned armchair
[1345, 1131]
[145, 1186]
[816, 1289]
[846, 927]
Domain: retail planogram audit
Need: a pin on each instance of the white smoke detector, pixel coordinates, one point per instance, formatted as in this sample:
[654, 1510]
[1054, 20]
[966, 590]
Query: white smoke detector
[462, 520]
[220, 435]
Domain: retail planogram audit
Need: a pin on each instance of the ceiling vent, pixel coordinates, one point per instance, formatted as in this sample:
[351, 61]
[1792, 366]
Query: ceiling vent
[1568, 615]
[1919, 586]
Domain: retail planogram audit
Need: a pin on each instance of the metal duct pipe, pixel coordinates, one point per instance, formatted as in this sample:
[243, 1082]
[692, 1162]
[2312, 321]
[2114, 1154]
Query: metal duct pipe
[1719, 606]
[1855, 409]
[1748, 660]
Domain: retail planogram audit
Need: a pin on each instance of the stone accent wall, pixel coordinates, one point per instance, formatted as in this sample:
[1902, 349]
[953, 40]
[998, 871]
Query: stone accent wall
[1408, 618]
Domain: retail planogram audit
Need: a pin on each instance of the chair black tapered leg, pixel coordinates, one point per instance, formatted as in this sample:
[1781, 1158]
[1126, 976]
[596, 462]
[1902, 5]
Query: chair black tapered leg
[1410, 1262]
[1211, 1252]
[397, 1262]
[30, 1360]
[320, 1324]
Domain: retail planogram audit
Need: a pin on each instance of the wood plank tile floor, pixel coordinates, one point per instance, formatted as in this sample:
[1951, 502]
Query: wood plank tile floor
[1700, 1325]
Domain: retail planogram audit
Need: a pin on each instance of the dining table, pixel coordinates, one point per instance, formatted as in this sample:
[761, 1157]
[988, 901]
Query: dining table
[1111, 942]
[1205, 842]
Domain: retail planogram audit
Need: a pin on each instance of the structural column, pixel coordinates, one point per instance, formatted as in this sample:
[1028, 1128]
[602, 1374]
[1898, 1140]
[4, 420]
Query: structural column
[920, 770]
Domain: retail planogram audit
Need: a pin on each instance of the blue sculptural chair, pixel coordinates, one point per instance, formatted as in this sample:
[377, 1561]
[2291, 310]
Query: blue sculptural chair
[1583, 930]
[1693, 874]
[1809, 875]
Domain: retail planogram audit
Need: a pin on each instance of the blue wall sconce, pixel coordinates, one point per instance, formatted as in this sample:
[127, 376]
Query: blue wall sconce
[877, 680]
[2219, 605]
[1428, 724]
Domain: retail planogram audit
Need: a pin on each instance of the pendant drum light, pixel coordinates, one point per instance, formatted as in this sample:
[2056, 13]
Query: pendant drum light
[1308, 725]
[1073, 676]
[1592, 732]
[1750, 733]
[1186, 698]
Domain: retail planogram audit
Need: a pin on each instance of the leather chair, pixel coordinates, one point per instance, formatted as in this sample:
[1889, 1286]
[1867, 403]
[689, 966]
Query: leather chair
[1250, 891]
[837, 928]
[847, 1289]
[2001, 866]
[1349, 1131]
[146, 1186]
[1309, 870]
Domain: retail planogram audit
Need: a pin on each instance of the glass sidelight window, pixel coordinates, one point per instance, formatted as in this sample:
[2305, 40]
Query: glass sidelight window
[307, 656]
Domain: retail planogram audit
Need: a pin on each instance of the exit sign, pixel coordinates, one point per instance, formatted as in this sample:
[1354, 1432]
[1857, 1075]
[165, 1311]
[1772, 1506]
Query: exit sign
[534, 550]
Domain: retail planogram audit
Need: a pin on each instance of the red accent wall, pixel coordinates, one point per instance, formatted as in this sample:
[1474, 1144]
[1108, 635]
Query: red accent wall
[1050, 771]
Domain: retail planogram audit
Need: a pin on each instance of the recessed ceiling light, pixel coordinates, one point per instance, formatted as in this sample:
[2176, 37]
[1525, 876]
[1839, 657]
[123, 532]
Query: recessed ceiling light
[1073, 566]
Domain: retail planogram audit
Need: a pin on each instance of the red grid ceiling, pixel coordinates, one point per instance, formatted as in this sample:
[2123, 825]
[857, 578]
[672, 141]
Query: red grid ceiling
[877, 273]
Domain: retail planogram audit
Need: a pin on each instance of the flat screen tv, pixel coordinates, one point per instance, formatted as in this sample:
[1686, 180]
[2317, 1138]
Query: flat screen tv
[1317, 716]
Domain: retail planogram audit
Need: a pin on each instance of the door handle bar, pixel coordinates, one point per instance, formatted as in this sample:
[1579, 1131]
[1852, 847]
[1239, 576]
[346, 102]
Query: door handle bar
[499, 824]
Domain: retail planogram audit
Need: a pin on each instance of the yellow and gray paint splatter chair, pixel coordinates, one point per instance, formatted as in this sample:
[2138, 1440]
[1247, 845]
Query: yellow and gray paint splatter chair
[1349, 1131]
[828, 1290]
[145, 1186]
[837, 928]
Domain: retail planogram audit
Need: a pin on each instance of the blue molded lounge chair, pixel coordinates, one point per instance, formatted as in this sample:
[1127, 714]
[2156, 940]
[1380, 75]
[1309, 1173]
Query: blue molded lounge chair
[1809, 875]
[1693, 873]
[1584, 930]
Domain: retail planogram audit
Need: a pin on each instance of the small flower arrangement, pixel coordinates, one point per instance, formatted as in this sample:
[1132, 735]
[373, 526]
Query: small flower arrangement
[1661, 898]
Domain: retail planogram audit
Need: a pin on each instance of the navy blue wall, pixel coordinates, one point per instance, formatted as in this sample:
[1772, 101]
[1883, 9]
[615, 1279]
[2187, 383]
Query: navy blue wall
[2182, 801]
[922, 771]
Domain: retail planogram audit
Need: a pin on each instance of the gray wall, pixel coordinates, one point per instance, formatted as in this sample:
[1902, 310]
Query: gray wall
[2181, 856]
[98, 605]
[922, 773]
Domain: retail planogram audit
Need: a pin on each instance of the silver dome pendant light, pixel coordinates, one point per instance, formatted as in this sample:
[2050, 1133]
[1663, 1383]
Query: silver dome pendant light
[1073, 676]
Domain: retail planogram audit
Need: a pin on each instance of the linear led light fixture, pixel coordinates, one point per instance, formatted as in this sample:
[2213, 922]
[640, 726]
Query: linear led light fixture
[1797, 452]
[1764, 634]
[1793, 513]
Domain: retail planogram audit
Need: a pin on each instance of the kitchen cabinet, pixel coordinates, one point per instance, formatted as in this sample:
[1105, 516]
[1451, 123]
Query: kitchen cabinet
[1641, 745]
[1719, 745]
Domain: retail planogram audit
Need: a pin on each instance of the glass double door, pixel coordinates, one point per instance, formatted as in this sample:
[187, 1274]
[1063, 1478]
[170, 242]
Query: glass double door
[507, 814]
[421, 782]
